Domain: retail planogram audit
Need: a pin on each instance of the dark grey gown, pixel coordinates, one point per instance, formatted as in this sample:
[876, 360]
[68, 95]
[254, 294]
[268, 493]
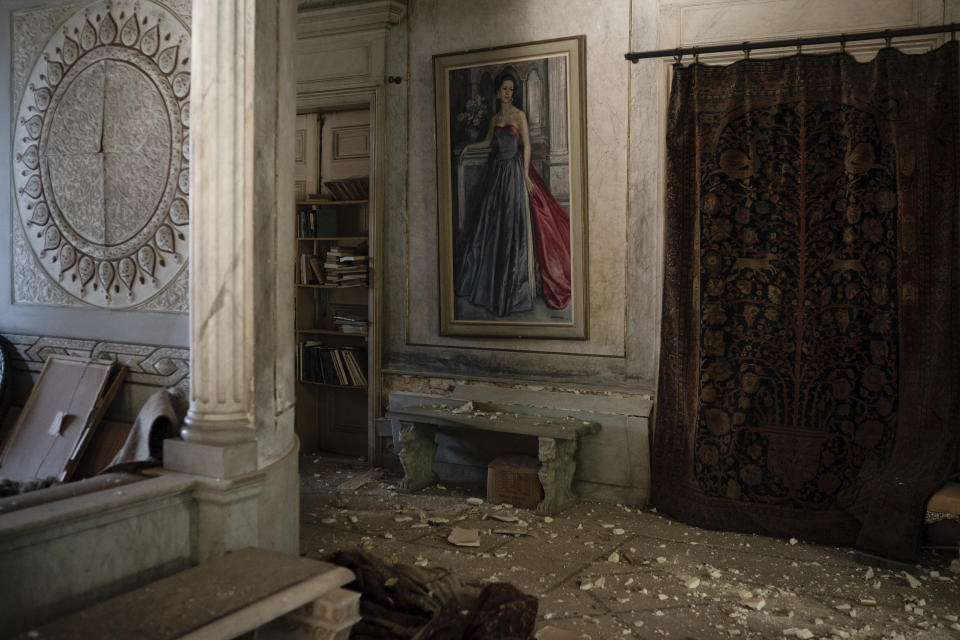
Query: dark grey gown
[493, 262]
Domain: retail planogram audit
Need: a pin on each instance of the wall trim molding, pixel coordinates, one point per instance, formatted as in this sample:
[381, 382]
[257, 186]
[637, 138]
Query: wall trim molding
[154, 365]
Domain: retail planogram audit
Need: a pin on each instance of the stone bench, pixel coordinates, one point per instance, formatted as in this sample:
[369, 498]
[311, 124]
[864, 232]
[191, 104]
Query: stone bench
[415, 428]
[278, 594]
[946, 500]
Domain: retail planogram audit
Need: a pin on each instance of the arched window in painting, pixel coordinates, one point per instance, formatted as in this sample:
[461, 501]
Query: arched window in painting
[487, 91]
[534, 102]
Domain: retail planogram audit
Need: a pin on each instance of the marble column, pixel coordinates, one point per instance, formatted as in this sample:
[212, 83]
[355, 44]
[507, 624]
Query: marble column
[557, 163]
[240, 421]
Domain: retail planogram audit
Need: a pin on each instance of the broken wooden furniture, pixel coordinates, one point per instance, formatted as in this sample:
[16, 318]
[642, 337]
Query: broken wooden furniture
[415, 429]
[6, 377]
[63, 411]
[278, 594]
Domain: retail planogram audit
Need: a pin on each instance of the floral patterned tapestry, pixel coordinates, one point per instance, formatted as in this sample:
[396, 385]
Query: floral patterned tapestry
[810, 370]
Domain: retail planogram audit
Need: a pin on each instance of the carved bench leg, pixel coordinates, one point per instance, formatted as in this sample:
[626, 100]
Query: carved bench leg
[415, 446]
[557, 465]
[330, 617]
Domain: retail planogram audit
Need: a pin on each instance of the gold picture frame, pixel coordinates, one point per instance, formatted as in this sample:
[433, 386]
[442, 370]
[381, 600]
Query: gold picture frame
[512, 222]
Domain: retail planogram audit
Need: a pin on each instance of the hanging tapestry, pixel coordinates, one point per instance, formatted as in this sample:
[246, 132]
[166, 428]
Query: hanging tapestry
[810, 370]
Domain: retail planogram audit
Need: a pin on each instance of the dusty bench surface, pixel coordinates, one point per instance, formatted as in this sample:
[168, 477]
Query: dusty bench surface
[490, 420]
[245, 588]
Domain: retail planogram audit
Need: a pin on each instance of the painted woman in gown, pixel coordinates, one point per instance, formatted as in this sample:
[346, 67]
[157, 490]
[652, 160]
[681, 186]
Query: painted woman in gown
[515, 243]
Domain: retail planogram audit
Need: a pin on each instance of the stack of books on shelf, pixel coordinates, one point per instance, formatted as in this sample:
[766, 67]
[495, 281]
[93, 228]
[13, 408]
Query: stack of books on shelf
[316, 222]
[349, 189]
[344, 267]
[340, 366]
[349, 323]
[311, 269]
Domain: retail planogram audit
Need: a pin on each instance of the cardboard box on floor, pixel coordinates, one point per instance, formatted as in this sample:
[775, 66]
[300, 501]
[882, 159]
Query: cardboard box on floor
[514, 480]
[63, 410]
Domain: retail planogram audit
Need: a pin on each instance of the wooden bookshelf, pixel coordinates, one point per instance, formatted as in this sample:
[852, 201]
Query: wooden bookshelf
[334, 239]
[332, 332]
[334, 417]
[332, 203]
[331, 286]
[345, 387]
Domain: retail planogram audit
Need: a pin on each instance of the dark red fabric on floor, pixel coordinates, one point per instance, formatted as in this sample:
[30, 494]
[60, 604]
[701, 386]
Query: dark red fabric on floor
[810, 369]
[401, 602]
[501, 612]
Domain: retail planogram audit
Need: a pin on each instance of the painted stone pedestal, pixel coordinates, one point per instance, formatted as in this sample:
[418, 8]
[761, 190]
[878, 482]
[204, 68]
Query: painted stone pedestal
[416, 446]
[557, 464]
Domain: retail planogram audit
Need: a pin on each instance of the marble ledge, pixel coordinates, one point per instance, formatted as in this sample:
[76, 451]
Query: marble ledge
[65, 517]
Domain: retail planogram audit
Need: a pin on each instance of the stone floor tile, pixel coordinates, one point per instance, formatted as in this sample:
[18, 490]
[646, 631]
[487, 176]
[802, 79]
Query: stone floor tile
[591, 627]
[568, 599]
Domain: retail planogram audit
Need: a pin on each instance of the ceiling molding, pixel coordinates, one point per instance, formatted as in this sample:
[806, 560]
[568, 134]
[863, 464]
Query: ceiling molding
[336, 19]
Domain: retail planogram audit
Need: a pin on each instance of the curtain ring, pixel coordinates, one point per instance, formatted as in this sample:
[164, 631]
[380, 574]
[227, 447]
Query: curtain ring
[696, 56]
[843, 43]
[887, 38]
[677, 56]
[746, 50]
[799, 46]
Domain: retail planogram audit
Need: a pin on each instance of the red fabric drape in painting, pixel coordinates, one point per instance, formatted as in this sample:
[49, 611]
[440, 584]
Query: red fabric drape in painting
[551, 229]
[810, 370]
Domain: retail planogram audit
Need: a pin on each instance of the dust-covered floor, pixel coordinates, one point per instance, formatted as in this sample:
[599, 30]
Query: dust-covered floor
[607, 571]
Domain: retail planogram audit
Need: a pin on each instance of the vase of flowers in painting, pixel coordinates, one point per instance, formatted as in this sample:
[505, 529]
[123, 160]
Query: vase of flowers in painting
[472, 118]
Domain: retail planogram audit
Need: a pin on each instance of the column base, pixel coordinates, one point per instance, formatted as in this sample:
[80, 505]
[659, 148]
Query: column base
[212, 461]
[228, 515]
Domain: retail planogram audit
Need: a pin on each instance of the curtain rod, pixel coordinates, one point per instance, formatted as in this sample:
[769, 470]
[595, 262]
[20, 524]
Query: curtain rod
[842, 38]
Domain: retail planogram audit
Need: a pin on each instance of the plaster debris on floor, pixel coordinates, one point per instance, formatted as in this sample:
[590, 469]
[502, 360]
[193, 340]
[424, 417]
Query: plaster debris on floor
[603, 571]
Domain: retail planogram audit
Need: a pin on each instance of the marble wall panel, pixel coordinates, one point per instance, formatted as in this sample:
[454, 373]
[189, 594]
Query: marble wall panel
[704, 23]
[394, 218]
[69, 554]
[951, 11]
[644, 227]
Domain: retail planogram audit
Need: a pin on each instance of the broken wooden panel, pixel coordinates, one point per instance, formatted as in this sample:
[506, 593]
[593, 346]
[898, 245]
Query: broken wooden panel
[111, 435]
[61, 414]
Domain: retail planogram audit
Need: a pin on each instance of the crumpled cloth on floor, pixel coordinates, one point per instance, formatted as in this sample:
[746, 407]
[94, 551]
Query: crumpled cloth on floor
[501, 612]
[423, 603]
[156, 422]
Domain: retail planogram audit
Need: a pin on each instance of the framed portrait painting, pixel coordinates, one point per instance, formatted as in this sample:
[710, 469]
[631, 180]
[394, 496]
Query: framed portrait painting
[511, 176]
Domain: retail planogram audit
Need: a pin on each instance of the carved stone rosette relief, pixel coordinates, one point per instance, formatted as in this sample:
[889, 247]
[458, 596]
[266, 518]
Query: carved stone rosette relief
[101, 153]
